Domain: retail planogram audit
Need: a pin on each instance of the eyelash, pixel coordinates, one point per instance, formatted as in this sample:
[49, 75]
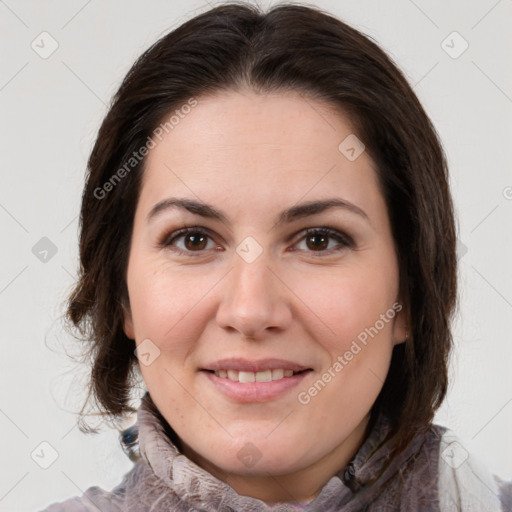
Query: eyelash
[344, 240]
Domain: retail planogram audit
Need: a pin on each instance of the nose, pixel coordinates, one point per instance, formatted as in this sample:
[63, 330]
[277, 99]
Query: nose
[255, 301]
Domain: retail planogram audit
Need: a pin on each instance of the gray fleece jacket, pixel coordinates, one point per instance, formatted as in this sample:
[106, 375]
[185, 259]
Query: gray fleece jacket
[434, 474]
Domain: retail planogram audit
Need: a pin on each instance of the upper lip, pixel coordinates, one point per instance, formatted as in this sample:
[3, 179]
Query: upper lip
[260, 365]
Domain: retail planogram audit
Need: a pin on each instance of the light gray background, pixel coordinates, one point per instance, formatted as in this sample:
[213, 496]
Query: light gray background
[51, 110]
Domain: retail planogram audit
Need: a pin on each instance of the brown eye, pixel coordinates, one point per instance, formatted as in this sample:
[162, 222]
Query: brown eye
[317, 242]
[195, 242]
[324, 240]
[188, 240]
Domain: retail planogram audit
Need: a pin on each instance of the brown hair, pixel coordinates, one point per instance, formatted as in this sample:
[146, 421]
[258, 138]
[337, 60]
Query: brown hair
[291, 47]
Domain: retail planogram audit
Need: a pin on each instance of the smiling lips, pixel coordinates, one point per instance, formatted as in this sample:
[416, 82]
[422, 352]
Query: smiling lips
[263, 376]
[245, 371]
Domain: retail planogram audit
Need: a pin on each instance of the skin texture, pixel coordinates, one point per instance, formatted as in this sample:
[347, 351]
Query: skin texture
[251, 156]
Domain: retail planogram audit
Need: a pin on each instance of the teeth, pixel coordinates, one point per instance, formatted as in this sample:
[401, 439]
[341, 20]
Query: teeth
[245, 377]
[277, 374]
[265, 376]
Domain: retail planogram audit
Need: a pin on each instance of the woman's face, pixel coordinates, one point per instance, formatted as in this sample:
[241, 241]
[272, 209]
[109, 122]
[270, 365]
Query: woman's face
[248, 294]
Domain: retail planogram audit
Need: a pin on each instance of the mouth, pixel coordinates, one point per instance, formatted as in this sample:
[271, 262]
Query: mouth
[246, 381]
[247, 377]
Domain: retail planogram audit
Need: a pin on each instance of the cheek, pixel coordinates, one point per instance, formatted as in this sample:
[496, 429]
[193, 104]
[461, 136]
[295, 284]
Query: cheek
[168, 307]
[155, 303]
[346, 301]
[159, 296]
[165, 310]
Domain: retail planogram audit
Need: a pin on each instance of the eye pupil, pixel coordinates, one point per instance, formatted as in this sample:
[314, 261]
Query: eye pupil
[322, 242]
[198, 241]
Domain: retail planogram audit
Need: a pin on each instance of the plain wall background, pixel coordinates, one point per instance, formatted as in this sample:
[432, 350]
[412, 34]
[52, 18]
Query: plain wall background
[51, 110]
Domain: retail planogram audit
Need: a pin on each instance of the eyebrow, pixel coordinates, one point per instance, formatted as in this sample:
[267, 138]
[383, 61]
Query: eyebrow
[286, 216]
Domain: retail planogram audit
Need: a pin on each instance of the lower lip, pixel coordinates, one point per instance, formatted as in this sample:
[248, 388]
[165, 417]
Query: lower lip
[255, 391]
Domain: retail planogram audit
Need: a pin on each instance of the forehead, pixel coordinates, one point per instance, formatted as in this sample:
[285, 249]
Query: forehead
[270, 122]
[238, 143]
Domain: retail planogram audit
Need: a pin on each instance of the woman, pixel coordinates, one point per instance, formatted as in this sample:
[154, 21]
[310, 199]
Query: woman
[267, 234]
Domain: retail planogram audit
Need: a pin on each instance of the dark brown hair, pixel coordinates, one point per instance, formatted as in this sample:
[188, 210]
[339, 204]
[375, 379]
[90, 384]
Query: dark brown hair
[291, 47]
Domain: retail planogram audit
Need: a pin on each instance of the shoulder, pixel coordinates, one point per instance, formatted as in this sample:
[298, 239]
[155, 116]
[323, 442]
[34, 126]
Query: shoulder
[92, 500]
[464, 483]
[96, 499]
[140, 489]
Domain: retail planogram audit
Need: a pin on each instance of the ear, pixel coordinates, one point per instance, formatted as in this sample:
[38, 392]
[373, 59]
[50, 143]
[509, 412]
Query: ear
[401, 324]
[128, 322]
